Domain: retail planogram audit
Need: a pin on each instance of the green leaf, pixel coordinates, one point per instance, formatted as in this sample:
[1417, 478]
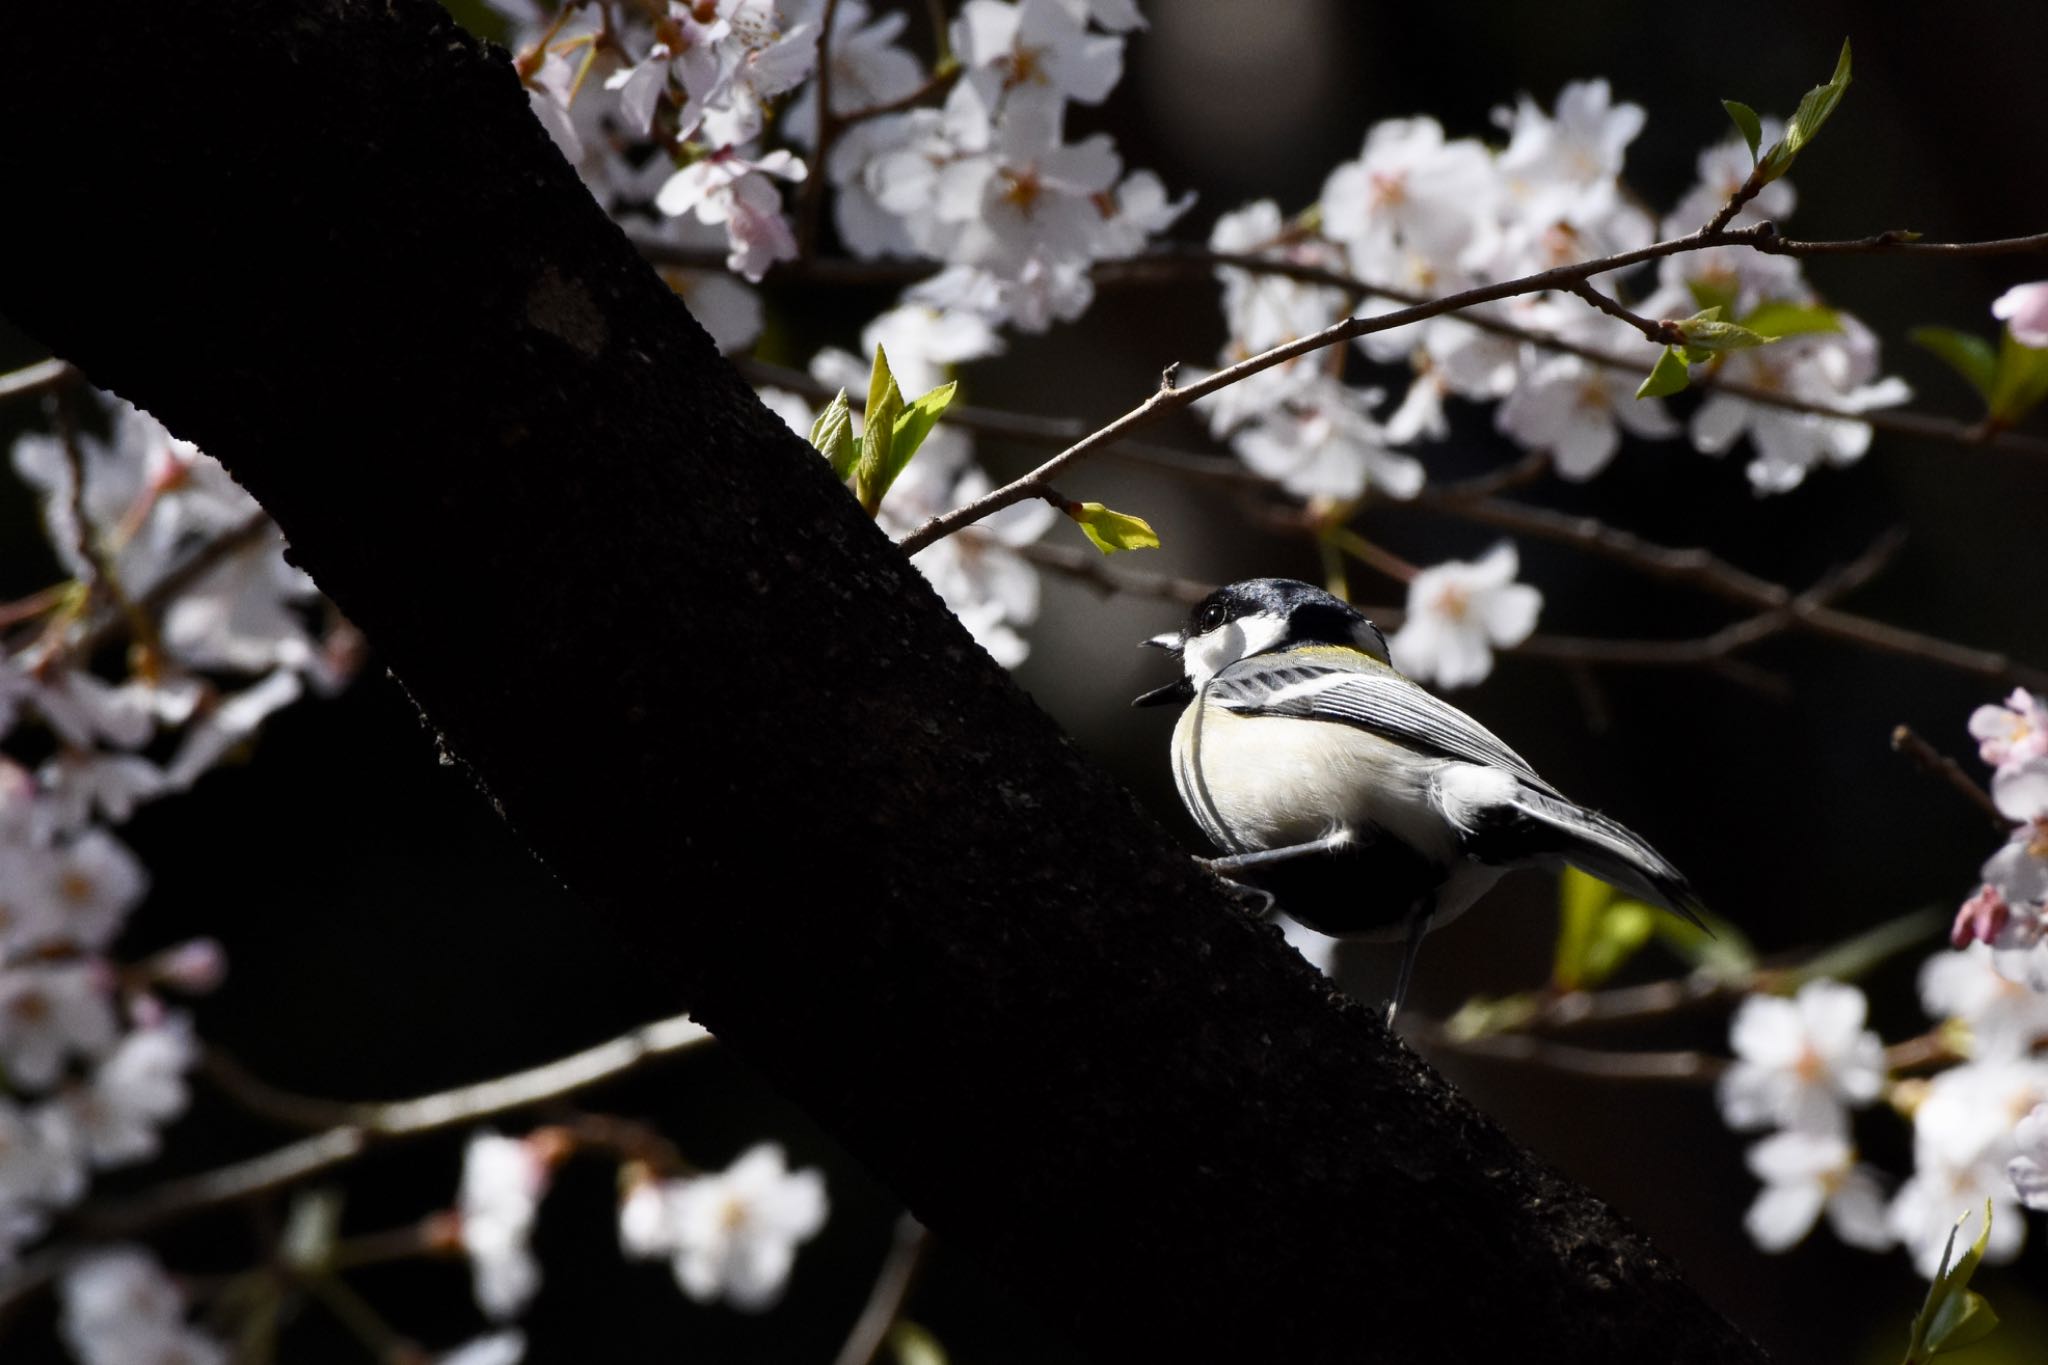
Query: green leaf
[1483, 1016]
[1857, 956]
[914, 1345]
[873, 472]
[1667, 377]
[1112, 531]
[1779, 318]
[1747, 123]
[1819, 103]
[1707, 334]
[1580, 899]
[917, 422]
[2021, 382]
[1772, 163]
[1812, 112]
[1624, 928]
[311, 1228]
[1972, 357]
[1597, 931]
[832, 436]
[1954, 1315]
[1720, 950]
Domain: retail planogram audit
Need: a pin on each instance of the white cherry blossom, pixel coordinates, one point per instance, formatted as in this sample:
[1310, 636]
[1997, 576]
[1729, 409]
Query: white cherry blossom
[1834, 369]
[1801, 1062]
[1804, 1174]
[2028, 1169]
[1410, 190]
[1325, 444]
[2024, 310]
[1038, 49]
[503, 1181]
[2012, 732]
[2005, 1017]
[120, 1308]
[736, 1232]
[1460, 612]
[1576, 410]
[51, 1014]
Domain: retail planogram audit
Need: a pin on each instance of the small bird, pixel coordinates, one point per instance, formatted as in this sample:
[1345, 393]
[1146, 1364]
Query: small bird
[1358, 800]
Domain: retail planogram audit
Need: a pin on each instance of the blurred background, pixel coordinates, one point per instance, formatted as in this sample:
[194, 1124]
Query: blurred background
[388, 937]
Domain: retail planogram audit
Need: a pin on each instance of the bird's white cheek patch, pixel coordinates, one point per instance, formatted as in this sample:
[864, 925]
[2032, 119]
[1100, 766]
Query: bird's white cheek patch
[1208, 655]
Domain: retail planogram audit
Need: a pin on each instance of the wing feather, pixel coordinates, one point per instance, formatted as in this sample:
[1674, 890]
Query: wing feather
[1377, 699]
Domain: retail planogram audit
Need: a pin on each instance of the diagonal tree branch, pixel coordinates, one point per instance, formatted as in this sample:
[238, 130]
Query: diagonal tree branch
[876, 871]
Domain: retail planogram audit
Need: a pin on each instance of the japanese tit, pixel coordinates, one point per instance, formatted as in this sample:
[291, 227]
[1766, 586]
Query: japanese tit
[1359, 800]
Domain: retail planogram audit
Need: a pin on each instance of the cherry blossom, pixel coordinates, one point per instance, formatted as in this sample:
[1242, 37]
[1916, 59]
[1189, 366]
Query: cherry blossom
[1411, 191]
[1036, 49]
[2012, 732]
[503, 1180]
[2004, 1016]
[1801, 1062]
[1576, 409]
[2028, 1170]
[1963, 1142]
[1325, 444]
[1834, 369]
[732, 1235]
[2024, 310]
[1460, 612]
[52, 1014]
[120, 1308]
[1804, 1174]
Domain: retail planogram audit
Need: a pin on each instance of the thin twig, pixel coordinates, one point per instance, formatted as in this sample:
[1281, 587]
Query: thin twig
[1176, 262]
[1703, 570]
[1173, 398]
[1655, 332]
[1091, 568]
[886, 1299]
[1698, 1067]
[36, 378]
[160, 593]
[1940, 766]
[367, 1125]
[810, 206]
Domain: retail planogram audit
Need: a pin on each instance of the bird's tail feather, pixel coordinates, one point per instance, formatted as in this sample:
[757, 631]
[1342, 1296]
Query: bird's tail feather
[1614, 853]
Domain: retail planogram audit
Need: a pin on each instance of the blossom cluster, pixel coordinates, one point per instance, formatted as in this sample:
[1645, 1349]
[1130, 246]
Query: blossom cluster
[161, 552]
[689, 128]
[1421, 215]
[729, 1235]
[1980, 1126]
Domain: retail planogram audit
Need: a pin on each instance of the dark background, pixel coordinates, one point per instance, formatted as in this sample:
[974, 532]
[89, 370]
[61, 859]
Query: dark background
[388, 937]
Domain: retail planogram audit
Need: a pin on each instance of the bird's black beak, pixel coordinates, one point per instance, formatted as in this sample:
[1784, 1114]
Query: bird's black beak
[1180, 689]
[1172, 642]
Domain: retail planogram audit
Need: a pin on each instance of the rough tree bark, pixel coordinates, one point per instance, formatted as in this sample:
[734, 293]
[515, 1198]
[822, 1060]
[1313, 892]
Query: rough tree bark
[327, 241]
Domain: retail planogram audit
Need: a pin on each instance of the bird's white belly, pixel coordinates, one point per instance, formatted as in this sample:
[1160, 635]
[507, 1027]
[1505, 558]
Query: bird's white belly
[1256, 782]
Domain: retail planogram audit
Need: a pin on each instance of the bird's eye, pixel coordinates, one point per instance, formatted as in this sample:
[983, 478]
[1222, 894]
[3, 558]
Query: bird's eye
[1212, 617]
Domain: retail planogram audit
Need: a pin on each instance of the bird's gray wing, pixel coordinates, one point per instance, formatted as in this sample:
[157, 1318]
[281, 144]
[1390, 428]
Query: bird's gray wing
[1371, 696]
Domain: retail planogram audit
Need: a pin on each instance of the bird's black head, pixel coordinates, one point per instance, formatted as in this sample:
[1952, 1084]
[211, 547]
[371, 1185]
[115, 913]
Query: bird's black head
[1256, 616]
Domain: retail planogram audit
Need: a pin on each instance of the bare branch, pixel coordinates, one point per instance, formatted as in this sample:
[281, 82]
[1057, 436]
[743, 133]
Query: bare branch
[349, 1130]
[36, 378]
[1940, 766]
[885, 1301]
[1698, 1067]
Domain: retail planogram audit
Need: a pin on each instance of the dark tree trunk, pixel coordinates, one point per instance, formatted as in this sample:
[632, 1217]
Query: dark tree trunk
[327, 241]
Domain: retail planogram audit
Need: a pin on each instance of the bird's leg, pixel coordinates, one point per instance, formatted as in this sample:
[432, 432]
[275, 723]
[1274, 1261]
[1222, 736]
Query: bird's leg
[1411, 948]
[1236, 862]
[1256, 901]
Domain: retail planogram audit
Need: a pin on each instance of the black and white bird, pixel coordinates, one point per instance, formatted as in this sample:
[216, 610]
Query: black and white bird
[1360, 801]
